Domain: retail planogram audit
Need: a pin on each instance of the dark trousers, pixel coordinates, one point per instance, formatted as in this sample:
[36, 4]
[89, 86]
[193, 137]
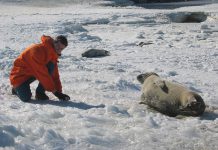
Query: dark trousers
[23, 91]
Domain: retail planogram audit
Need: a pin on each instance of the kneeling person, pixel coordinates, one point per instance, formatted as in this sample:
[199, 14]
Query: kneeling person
[39, 62]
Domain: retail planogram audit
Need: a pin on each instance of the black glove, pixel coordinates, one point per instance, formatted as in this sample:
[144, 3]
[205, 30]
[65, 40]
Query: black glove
[61, 96]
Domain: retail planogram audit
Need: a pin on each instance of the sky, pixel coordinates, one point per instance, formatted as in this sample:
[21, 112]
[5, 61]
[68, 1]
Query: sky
[104, 111]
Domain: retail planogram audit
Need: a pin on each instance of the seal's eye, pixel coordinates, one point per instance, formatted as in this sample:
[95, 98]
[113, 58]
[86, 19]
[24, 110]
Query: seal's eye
[189, 105]
[195, 105]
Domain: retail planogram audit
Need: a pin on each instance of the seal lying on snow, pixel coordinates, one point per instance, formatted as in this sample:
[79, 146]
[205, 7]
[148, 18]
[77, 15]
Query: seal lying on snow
[95, 53]
[169, 98]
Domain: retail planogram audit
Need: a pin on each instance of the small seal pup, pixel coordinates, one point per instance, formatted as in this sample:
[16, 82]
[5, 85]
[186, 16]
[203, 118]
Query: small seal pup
[95, 53]
[168, 97]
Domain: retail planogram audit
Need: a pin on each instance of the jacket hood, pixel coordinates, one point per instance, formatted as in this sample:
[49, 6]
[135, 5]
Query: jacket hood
[48, 42]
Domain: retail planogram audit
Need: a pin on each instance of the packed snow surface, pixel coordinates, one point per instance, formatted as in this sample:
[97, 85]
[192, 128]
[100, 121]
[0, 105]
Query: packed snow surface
[104, 111]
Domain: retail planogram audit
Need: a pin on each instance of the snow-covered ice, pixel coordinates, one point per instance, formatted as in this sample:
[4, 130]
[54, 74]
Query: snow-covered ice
[104, 112]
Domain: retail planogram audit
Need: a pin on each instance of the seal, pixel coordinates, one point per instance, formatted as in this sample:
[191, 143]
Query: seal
[168, 97]
[95, 53]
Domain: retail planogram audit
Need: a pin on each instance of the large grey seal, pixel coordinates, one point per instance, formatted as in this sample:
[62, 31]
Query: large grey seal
[168, 97]
[95, 53]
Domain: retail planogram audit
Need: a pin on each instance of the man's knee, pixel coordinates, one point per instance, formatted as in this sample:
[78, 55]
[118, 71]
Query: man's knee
[24, 92]
[25, 97]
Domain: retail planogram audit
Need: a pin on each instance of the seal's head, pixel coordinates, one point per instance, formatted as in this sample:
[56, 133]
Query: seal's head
[141, 78]
[193, 105]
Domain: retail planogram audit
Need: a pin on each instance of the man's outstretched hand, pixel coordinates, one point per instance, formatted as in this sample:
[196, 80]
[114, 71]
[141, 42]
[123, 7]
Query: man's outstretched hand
[61, 96]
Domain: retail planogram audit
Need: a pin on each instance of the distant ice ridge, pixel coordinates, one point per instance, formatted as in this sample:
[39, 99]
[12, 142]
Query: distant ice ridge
[51, 3]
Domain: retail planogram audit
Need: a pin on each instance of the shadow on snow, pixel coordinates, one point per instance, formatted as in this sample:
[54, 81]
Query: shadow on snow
[79, 105]
[209, 116]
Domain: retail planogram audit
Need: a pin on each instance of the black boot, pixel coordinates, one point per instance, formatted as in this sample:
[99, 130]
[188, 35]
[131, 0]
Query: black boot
[41, 96]
[13, 92]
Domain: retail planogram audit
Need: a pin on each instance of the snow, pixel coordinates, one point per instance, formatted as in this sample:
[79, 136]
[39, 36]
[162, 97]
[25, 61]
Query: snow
[104, 112]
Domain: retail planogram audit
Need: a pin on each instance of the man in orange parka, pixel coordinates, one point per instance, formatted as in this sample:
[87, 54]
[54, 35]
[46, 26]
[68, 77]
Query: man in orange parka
[39, 62]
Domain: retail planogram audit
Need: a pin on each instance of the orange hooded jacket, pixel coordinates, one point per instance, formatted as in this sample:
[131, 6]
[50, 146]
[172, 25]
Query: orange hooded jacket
[32, 63]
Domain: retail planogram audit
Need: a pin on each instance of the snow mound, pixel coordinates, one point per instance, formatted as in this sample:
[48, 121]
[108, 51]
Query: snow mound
[54, 140]
[117, 110]
[7, 134]
[69, 28]
[6, 139]
[123, 85]
[188, 17]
